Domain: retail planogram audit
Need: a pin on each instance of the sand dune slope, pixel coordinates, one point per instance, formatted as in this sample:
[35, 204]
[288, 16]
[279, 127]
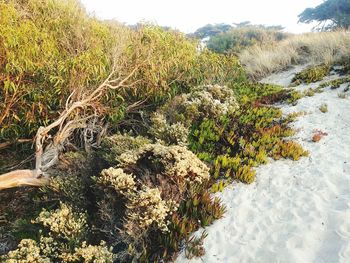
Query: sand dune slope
[295, 211]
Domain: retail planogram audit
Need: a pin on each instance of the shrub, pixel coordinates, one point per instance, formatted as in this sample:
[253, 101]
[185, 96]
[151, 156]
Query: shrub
[41, 65]
[145, 191]
[311, 74]
[236, 39]
[63, 243]
[114, 146]
[334, 84]
[59, 56]
[172, 121]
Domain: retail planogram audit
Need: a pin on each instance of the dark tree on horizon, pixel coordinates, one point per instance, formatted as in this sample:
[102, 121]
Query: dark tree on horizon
[329, 15]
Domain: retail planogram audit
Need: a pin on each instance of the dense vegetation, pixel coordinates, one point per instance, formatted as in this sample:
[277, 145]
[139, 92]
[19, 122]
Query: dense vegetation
[240, 37]
[186, 123]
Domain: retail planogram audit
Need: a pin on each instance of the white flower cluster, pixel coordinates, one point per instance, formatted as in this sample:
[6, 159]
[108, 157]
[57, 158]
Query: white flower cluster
[63, 222]
[177, 161]
[148, 207]
[120, 181]
[167, 133]
[212, 100]
[170, 125]
[27, 251]
[91, 254]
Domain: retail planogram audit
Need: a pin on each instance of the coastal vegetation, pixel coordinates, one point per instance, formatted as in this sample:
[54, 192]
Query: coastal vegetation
[113, 138]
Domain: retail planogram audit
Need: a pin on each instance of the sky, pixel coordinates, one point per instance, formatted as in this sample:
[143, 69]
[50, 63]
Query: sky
[189, 15]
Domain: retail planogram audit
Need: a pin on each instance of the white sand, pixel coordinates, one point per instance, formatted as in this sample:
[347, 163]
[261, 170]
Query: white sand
[295, 211]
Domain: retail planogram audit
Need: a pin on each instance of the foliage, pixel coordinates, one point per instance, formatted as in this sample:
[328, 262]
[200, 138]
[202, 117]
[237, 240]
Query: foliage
[210, 30]
[199, 210]
[259, 92]
[171, 123]
[334, 84]
[234, 143]
[40, 66]
[194, 247]
[288, 150]
[238, 38]
[329, 15]
[63, 241]
[311, 74]
[40, 69]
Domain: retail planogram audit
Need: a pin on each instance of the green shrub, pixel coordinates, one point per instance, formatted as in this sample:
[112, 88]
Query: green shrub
[63, 242]
[236, 39]
[311, 74]
[334, 84]
[234, 143]
[50, 48]
[44, 59]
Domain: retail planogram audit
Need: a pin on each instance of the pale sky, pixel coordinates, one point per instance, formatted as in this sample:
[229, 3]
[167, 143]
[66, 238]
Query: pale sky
[188, 15]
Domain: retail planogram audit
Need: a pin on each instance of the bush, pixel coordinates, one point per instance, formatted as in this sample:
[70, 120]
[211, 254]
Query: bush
[49, 49]
[311, 74]
[43, 59]
[237, 39]
[142, 195]
[63, 242]
[171, 123]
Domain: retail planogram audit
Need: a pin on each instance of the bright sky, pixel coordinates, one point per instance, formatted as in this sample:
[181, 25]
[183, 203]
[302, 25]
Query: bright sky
[188, 15]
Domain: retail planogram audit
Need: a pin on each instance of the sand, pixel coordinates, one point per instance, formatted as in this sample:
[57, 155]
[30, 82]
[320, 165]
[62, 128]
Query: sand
[295, 211]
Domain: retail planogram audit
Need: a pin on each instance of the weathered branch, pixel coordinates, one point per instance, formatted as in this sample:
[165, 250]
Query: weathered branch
[75, 116]
[5, 145]
[21, 178]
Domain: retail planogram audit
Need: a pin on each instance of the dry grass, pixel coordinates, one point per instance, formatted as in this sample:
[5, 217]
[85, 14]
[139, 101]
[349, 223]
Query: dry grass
[313, 48]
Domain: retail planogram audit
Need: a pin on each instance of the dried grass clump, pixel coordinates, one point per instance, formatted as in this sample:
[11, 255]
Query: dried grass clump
[314, 48]
[171, 123]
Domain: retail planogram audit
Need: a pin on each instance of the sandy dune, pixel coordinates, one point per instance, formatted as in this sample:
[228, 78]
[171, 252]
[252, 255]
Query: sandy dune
[295, 211]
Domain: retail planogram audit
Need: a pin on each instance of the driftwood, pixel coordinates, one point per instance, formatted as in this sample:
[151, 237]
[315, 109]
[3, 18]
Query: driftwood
[50, 140]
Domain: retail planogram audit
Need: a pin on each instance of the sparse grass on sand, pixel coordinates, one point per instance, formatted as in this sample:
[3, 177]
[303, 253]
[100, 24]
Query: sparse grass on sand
[318, 48]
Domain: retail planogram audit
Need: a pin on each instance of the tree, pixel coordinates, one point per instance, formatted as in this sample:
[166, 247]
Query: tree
[211, 30]
[329, 15]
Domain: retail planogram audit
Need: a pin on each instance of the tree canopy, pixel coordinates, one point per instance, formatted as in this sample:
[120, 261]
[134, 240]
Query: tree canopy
[210, 30]
[329, 15]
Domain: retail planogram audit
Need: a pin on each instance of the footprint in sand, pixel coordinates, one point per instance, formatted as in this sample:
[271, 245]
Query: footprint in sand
[344, 230]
